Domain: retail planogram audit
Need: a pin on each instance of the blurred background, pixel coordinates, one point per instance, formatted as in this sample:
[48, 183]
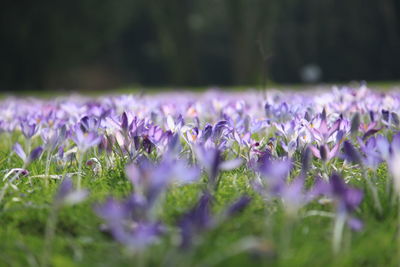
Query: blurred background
[100, 44]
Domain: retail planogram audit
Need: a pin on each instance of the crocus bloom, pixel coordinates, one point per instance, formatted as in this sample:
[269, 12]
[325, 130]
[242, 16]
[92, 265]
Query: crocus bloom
[347, 198]
[29, 129]
[323, 132]
[84, 140]
[196, 220]
[211, 160]
[369, 129]
[324, 152]
[67, 195]
[151, 180]
[35, 153]
[127, 225]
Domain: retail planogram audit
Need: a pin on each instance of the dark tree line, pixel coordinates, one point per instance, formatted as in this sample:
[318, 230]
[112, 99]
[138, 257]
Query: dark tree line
[106, 43]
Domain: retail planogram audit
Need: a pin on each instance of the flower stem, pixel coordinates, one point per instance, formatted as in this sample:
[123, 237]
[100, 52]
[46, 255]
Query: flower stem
[338, 232]
[80, 159]
[47, 171]
[28, 146]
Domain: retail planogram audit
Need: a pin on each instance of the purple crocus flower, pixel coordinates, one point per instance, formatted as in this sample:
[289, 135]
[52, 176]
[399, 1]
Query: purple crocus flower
[390, 118]
[369, 129]
[290, 147]
[372, 150]
[128, 223]
[211, 160]
[275, 173]
[84, 140]
[124, 123]
[196, 220]
[35, 153]
[89, 124]
[131, 221]
[324, 152]
[174, 125]
[278, 113]
[351, 154]
[200, 219]
[28, 129]
[323, 132]
[393, 159]
[155, 134]
[219, 130]
[151, 180]
[355, 123]
[239, 205]
[306, 160]
[53, 137]
[275, 169]
[243, 139]
[206, 133]
[347, 198]
[371, 157]
[395, 145]
[292, 193]
[68, 195]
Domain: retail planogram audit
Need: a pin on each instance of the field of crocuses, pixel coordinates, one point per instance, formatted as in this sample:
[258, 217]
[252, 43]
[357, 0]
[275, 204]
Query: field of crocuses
[281, 178]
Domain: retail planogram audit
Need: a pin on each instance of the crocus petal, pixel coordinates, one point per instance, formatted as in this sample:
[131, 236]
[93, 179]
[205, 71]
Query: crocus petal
[19, 151]
[315, 151]
[334, 127]
[396, 142]
[306, 159]
[35, 153]
[239, 205]
[355, 224]
[334, 151]
[351, 153]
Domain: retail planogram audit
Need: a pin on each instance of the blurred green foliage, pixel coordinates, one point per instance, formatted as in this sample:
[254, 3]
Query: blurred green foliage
[106, 43]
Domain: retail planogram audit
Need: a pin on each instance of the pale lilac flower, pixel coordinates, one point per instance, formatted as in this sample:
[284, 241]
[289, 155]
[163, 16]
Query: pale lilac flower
[35, 153]
[84, 140]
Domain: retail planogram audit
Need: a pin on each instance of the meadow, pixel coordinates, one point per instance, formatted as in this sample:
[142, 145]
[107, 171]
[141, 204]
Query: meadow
[234, 178]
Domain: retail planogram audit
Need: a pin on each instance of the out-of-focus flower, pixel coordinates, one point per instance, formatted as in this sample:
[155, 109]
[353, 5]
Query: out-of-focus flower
[239, 205]
[211, 161]
[369, 129]
[393, 161]
[200, 219]
[346, 198]
[53, 137]
[84, 140]
[306, 160]
[35, 153]
[323, 132]
[196, 220]
[324, 152]
[373, 151]
[151, 180]
[275, 184]
[28, 129]
[127, 224]
[351, 154]
[67, 195]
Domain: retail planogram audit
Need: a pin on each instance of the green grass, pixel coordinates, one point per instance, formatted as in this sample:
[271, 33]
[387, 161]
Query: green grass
[261, 236]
